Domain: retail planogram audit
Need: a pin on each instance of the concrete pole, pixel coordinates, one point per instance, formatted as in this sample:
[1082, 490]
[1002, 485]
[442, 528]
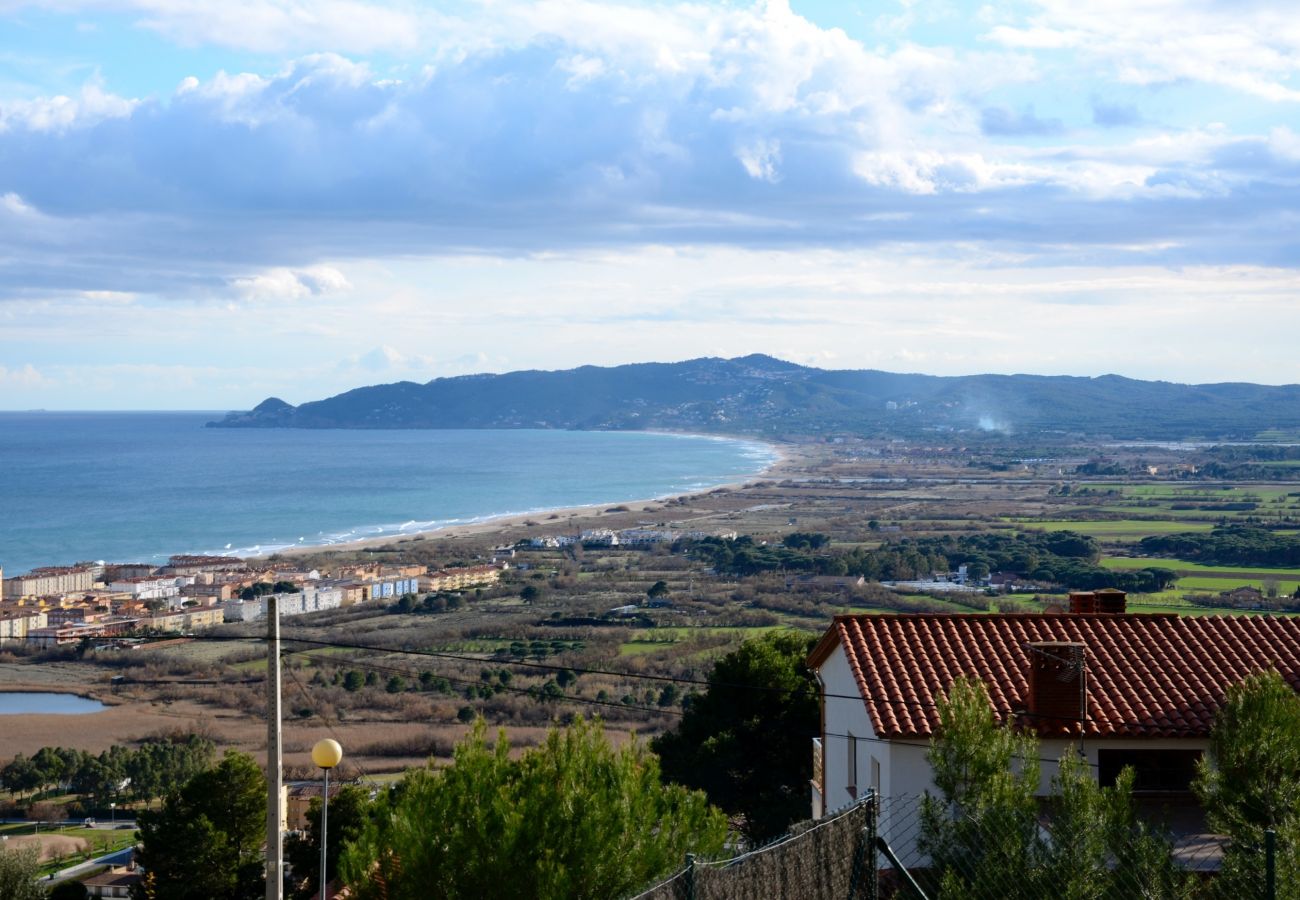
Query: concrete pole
[274, 760]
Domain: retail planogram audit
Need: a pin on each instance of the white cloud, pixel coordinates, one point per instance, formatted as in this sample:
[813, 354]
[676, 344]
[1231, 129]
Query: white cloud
[1249, 47]
[61, 113]
[26, 377]
[761, 159]
[15, 205]
[290, 284]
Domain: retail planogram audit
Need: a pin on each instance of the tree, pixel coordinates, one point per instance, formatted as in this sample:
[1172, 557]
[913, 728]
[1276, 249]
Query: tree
[353, 681]
[574, 818]
[983, 833]
[657, 590]
[206, 840]
[746, 741]
[21, 775]
[1250, 782]
[530, 593]
[980, 831]
[348, 814]
[18, 873]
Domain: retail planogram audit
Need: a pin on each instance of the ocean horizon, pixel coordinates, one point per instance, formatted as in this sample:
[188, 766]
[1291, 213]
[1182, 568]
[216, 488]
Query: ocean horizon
[141, 486]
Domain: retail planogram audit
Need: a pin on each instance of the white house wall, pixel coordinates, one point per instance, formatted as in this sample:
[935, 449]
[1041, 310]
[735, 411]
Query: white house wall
[845, 715]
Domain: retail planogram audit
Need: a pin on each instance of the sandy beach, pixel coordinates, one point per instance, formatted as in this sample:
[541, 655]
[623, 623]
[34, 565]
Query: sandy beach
[563, 520]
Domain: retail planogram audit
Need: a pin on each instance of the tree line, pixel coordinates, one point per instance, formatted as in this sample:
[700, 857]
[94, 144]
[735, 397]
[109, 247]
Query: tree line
[1056, 557]
[1228, 545]
[155, 768]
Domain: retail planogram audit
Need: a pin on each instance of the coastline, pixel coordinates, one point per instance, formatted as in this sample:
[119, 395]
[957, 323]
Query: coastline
[783, 458]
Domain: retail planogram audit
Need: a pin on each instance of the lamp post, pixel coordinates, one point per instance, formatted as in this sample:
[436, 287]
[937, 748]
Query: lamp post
[326, 754]
[112, 810]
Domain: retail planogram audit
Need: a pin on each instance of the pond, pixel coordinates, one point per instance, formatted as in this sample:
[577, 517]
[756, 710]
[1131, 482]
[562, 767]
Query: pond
[17, 703]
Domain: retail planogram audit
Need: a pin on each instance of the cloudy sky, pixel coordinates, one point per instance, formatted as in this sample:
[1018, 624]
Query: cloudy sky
[202, 203]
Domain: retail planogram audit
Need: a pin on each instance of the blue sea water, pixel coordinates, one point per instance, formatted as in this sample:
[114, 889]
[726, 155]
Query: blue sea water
[137, 487]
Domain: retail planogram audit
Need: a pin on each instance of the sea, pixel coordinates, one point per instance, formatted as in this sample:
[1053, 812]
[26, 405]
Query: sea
[141, 486]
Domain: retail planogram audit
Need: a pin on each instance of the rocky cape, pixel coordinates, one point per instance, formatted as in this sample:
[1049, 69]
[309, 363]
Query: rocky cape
[761, 395]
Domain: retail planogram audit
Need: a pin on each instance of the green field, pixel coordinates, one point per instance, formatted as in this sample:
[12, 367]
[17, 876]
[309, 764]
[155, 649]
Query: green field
[1191, 568]
[1119, 529]
[662, 638]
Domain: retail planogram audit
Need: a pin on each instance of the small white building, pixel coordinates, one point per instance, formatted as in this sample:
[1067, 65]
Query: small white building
[646, 537]
[1133, 690]
[152, 587]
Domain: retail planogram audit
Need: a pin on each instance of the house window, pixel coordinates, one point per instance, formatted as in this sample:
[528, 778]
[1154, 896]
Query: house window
[1155, 771]
[852, 783]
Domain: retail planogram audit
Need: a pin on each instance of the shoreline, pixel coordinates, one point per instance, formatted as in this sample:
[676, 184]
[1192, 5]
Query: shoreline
[499, 524]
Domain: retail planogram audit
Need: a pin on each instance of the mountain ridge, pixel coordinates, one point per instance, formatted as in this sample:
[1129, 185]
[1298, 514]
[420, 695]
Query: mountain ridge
[760, 394]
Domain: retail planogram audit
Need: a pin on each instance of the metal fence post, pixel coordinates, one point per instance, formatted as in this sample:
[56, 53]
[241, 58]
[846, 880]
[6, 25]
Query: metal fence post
[690, 876]
[1270, 865]
[872, 829]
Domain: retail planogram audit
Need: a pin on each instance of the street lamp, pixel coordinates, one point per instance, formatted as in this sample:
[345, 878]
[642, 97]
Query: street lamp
[326, 754]
[112, 811]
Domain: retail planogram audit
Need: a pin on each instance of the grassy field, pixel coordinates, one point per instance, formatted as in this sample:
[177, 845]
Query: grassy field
[1191, 568]
[1119, 529]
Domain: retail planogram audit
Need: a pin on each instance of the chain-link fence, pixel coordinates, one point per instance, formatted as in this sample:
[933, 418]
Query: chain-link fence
[829, 859]
[933, 851]
[912, 848]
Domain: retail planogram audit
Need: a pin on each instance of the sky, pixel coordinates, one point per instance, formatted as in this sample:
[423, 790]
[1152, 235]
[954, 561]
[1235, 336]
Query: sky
[203, 204]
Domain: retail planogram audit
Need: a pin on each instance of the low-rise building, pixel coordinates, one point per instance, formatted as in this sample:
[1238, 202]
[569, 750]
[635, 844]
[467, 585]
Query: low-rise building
[72, 632]
[1138, 690]
[459, 578]
[116, 881]
[312, 598]
[15, 624]
[190, 564]
[186, 620]
[209, 593]
[646, 537]
[151, 587]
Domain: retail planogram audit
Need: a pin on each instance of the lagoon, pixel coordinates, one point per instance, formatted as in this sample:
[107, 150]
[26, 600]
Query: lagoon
[23, 703]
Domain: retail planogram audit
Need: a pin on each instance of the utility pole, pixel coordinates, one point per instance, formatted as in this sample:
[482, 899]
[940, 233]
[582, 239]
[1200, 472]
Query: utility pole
[274, 761]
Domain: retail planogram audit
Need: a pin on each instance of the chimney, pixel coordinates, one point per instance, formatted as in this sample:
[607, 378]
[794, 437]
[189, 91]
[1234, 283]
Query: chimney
[1057, 696]
[1112, 601]
[1082, 602]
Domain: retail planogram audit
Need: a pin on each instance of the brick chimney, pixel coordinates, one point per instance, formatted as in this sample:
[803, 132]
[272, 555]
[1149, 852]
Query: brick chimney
[1111, 601]
[1082, 602]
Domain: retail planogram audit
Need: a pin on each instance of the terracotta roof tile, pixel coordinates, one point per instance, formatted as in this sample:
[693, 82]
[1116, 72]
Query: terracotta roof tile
[1147, 675]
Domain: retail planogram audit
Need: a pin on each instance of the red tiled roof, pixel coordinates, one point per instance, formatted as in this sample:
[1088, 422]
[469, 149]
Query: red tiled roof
[1147, 675]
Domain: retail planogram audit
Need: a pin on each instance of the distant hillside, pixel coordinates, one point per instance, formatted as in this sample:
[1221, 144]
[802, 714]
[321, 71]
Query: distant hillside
[761, 395]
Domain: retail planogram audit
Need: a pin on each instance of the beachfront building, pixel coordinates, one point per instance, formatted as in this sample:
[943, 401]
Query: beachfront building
[459, 578]
[195, 565]
[646, 537]
[50, 581]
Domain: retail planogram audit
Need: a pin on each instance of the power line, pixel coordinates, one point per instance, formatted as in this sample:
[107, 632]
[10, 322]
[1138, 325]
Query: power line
[357, 767]
[436, 654]
[923, 704]
[591, 701]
